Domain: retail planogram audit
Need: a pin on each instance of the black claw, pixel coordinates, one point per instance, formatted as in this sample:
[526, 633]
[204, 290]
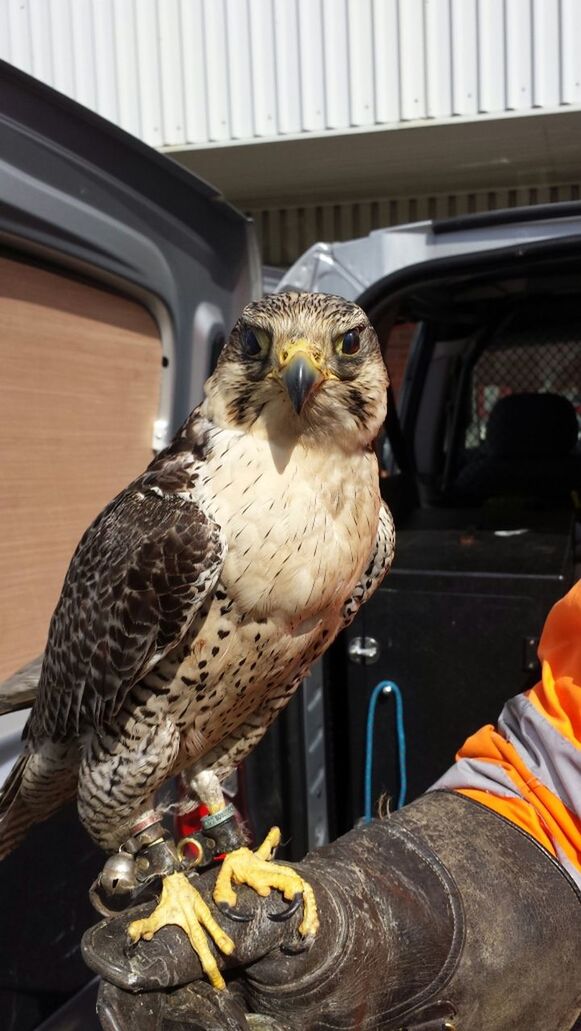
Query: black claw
[234, 914]
[289, 911]
[302, 945]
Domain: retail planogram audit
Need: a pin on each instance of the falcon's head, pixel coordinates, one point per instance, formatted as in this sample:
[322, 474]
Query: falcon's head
[301, 365]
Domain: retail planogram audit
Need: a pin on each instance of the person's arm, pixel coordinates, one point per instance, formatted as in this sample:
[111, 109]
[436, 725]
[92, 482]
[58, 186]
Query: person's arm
[528, 769]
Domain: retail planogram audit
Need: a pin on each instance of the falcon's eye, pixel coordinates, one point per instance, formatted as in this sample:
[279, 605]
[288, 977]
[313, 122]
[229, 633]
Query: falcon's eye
[349, 343]
[254, 342]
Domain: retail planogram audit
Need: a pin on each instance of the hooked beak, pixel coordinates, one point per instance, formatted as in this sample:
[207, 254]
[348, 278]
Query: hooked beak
[300, 373]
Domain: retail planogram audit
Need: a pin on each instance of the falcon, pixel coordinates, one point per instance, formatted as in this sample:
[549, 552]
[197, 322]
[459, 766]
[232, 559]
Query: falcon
[198, 599]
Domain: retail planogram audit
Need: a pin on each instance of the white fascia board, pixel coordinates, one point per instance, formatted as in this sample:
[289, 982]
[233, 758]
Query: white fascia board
[453, 155]
[364, 130]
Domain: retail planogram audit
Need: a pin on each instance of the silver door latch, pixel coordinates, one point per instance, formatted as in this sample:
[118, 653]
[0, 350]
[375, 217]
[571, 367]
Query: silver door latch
[364, 650]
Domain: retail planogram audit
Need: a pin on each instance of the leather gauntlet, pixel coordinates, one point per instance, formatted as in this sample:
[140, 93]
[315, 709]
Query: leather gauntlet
[443, 916]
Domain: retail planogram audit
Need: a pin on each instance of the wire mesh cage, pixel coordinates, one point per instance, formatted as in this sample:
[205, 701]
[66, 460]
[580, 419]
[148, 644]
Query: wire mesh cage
[535, 361]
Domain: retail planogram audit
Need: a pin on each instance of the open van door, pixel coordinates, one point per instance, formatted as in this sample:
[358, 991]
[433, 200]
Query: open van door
[120, 275]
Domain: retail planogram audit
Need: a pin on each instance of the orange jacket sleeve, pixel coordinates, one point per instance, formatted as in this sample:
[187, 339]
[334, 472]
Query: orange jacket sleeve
[528, 768]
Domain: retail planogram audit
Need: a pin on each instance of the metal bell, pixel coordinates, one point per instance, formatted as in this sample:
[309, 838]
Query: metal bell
[118, 876]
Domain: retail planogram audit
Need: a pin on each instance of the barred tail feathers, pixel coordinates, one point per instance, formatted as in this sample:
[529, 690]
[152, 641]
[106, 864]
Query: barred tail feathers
[19, 691]
[15, 817]
[37, 786]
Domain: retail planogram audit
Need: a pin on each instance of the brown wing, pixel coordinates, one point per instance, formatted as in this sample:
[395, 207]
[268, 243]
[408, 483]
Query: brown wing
[137, 579]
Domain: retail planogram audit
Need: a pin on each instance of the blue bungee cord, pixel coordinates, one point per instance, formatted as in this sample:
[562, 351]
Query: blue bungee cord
[384, 687]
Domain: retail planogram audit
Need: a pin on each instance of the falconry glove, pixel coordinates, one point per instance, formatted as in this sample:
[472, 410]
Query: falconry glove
[443, 917]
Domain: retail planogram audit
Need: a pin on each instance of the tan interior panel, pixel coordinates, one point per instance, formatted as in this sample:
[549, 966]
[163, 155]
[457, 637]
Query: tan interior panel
[79, 393]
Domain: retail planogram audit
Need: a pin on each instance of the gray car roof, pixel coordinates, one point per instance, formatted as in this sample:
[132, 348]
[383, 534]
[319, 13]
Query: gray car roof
[353, 267]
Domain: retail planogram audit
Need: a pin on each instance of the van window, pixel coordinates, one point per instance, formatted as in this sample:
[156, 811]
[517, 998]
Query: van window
[531, 362]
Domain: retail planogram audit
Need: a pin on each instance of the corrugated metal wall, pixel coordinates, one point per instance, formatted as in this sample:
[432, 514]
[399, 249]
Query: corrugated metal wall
[182, 72]
[285, 233]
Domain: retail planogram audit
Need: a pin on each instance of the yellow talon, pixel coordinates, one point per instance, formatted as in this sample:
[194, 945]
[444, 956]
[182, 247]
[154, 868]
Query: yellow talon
[257, 871]
[269, 845]
[182, 905]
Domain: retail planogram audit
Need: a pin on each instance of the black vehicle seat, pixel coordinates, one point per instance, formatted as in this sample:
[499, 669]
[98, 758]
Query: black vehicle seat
[529, 451]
